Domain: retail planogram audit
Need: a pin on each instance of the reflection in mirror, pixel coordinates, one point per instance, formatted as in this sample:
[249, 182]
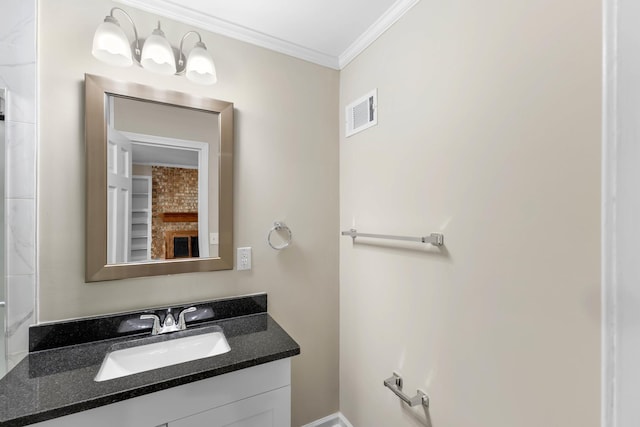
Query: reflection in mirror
[159, 181]
[3, 311]
[162, 182]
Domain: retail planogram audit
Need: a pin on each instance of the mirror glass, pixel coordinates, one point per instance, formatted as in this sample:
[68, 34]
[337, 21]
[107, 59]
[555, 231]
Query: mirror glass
[159, 181]
[162, 182]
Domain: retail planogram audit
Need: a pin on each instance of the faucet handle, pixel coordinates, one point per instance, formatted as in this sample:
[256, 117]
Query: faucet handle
[156, 322]
[182, 324]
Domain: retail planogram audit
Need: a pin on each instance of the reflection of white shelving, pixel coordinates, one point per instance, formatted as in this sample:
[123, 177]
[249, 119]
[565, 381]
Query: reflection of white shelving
[141, 218]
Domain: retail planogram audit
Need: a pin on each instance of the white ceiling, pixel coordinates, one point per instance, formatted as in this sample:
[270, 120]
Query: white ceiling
[156, 155]
[327, 32]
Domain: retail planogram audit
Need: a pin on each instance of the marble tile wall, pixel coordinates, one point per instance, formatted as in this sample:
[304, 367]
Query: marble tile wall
[18, 75]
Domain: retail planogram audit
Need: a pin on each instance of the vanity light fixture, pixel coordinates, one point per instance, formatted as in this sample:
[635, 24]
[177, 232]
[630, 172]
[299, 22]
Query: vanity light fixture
[157, 54]
[111, 45]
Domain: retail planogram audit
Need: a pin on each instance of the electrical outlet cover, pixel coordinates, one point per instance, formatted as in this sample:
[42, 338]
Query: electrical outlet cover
[243, 259]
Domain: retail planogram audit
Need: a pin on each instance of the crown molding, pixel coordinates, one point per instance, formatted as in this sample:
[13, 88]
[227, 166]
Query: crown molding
[172, 10]
[382, 24]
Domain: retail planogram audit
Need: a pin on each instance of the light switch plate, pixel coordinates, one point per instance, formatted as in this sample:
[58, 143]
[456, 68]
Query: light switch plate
[214, 239]
[243, 259]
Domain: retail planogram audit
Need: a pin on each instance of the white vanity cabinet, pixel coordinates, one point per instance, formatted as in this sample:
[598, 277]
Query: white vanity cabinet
[259, 396]
[269, 409]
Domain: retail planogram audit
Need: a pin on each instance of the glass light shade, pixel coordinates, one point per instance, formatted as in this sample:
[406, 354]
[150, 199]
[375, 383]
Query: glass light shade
[200, 67]
[111, 45]
[157, 54]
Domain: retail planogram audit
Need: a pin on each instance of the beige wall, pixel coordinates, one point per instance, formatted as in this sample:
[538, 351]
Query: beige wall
[164, 120]
[286, 147]
[489, 131]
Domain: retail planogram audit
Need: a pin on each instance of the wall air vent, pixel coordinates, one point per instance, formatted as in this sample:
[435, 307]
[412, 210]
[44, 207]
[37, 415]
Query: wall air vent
[362, 113]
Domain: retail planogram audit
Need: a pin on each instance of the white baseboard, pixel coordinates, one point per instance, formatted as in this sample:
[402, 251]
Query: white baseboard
[334, 420]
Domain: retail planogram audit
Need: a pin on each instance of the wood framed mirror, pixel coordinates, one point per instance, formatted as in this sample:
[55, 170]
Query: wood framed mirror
[159, 166]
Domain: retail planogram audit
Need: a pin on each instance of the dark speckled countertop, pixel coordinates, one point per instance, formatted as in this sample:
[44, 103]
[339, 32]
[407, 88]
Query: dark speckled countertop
[58, 381]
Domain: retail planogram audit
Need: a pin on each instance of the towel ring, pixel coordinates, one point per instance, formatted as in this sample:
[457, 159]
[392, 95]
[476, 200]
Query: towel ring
[277, 226]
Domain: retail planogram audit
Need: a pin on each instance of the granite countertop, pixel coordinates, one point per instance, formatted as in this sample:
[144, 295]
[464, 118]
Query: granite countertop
[58, 381]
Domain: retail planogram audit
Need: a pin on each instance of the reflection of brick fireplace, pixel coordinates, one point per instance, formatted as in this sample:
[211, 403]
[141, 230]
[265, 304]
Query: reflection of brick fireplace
[174, 208]
[181, 244]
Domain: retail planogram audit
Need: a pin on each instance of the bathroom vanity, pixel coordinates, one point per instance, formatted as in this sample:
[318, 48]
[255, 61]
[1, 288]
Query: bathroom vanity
[247, 386]
[252, 397]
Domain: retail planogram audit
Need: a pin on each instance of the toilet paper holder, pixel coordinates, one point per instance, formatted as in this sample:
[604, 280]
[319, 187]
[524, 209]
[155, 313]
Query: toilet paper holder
[394, 383]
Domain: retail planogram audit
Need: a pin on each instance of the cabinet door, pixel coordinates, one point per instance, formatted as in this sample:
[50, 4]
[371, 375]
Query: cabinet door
[271, 409]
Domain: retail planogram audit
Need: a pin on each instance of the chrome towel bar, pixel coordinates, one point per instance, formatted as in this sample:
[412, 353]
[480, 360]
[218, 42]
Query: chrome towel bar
[435, 239]
[395, 385]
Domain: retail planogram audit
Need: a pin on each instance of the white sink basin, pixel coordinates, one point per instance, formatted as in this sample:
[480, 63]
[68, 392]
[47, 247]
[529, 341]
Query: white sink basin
[142, 358]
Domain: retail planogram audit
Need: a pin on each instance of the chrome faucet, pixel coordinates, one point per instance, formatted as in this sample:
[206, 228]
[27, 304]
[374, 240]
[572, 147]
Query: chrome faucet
[169, 324]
